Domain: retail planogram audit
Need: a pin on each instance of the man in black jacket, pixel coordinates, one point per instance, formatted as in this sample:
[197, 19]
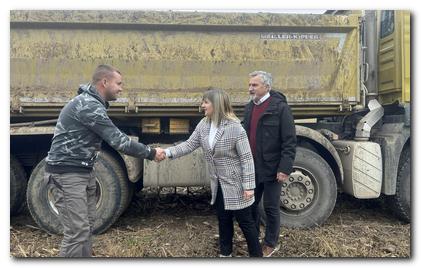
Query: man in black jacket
[271, 131]
[82, 125]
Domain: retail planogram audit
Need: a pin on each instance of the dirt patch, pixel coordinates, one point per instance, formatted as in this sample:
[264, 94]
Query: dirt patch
[184, 225]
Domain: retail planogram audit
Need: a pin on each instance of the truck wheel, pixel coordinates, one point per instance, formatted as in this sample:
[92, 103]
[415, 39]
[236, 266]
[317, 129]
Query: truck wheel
[400, 203]
[126, 187]
[17, 186]
[309, 195]
[41, 201]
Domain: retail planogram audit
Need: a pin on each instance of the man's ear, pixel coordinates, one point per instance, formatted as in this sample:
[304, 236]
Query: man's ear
[104, 82]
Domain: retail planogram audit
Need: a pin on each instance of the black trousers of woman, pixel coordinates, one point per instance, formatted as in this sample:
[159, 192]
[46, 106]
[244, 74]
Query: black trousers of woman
[226, 227]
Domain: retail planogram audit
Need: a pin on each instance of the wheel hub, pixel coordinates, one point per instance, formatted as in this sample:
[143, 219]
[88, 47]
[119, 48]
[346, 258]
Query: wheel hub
[297, 192]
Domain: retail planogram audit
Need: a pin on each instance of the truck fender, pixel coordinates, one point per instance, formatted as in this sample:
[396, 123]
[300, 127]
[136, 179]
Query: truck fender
[392, 137]
[328, 151]
[134, 167]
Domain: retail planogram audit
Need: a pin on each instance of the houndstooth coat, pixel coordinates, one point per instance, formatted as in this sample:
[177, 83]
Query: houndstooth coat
[230, 160]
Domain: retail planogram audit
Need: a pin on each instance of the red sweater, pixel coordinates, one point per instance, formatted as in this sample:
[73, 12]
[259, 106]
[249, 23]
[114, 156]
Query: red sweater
[256, 113]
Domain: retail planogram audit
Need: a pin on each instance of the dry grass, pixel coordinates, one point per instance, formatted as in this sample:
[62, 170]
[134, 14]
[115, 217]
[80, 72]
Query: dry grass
[184, 225]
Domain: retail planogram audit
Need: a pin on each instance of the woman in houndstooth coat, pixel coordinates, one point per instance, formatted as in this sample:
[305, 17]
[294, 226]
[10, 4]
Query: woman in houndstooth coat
[227, 152]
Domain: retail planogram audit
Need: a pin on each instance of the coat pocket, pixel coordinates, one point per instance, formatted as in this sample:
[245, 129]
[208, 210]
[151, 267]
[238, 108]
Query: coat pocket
[236, 175]
[270, 128]
[272, 122]
[233, 193]
[272, 156]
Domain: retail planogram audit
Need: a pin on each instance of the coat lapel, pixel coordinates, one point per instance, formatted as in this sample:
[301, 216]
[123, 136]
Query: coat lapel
[218, 134]
[206, 139]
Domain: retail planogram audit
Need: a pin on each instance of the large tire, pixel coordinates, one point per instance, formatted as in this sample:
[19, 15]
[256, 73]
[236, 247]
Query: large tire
[18, 184]
[400, 203]
[41, 202]
[126, 187]
[309, 195]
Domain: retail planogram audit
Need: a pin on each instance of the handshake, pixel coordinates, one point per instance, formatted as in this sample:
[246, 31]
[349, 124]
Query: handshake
[160, 154]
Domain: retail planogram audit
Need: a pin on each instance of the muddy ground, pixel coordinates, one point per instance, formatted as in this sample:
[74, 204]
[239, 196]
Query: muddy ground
[184, 225]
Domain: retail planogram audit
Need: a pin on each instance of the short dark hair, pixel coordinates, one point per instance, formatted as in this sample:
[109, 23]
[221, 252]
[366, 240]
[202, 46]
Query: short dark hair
[102, 71]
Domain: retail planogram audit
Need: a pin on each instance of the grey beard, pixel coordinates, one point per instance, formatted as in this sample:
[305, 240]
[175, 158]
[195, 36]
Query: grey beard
[254, 98]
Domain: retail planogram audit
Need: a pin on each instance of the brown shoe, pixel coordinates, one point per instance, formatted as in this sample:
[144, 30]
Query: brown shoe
[268, 251]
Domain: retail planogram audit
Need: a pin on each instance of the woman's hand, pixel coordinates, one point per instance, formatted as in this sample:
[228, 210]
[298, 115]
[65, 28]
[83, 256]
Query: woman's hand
[248, 194]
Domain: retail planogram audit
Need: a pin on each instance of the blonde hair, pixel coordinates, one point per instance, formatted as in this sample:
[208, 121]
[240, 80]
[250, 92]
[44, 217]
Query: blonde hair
[221, 103]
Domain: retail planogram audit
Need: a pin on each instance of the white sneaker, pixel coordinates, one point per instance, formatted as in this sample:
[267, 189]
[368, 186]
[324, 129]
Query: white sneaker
[225, 256]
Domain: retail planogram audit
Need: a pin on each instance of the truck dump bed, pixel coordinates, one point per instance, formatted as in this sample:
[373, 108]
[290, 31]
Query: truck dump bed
[169, 58]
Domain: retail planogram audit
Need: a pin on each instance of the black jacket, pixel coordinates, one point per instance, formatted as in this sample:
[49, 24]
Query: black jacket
[275, 138]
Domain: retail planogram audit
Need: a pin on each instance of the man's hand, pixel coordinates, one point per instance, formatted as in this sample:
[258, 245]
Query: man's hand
[160, 154]
[281, 177]
[248, 194]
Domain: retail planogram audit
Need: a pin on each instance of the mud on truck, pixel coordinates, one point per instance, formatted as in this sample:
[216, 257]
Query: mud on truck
[346, 76]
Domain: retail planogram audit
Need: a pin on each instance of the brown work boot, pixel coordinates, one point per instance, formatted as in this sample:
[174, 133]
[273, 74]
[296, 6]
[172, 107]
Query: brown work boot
[268, 251]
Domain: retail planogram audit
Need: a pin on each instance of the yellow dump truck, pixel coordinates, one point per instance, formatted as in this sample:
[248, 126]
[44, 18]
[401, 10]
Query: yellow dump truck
[346, 76]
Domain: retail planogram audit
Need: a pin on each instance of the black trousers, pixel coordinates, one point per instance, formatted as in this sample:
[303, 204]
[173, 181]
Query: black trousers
[271, 204]
[226, 227]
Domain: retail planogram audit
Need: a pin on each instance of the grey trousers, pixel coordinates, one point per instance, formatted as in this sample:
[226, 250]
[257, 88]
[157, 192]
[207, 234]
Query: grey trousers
[75, 200]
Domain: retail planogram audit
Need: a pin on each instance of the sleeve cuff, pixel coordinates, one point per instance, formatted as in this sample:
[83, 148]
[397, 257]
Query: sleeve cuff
[248, 186]
[168, 153]
[152, 154]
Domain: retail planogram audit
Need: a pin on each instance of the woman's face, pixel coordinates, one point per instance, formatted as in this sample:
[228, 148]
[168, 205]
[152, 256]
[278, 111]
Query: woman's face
[207, 107]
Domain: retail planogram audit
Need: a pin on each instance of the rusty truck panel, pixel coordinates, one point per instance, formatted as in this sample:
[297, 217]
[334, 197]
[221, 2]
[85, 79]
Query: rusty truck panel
[169, 58]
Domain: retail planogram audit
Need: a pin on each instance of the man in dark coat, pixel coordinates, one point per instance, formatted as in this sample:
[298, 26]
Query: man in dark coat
[271, 131]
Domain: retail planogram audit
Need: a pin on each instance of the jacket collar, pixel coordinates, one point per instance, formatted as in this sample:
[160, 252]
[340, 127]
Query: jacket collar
[276, 98]
[262, 99]
[92, 91]
[218, 135]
